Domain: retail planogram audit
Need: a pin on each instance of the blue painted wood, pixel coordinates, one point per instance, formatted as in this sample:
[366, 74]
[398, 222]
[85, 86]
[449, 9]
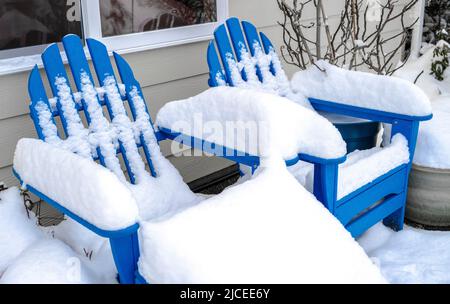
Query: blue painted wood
[224, 47]
[130, 82]
[326, 172]
[212, 148]
[78, 64]
[37, 94]
[410, 131]
[364, 113]
[391, 183]
[101, 232]
[235, 155]
[325, 184]
[267, 44]
[251, 34]
[381, 211]
[140, 279]
[124, 243]
[237, 37]
[378, 181]
[54, 68]
[215, 69]
[126, 249]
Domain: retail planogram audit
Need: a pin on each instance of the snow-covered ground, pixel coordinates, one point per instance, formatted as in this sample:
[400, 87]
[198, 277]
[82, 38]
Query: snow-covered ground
[408, 256]
[257, 231]
[32, 254]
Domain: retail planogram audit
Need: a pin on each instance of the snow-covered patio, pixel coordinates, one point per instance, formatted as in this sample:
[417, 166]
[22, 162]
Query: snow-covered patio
[340, 144]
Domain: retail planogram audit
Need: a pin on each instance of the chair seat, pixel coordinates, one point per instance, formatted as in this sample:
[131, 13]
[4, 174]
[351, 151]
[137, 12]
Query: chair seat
[361, 167]
[261, 231]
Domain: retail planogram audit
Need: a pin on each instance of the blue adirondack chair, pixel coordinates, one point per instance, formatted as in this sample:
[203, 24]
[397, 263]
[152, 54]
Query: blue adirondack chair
[361, 209]
[124, 243]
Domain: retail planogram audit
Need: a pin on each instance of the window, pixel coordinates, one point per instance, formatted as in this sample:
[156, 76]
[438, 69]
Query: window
[433, 24]
[26, 26]
[131, 24]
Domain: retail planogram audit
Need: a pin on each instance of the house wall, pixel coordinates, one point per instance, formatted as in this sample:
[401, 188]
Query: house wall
[165, 74]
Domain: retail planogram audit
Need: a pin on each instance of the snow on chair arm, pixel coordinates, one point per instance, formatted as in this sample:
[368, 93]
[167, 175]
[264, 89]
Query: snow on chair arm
[360, 94]
[92, 194]
[253, 122]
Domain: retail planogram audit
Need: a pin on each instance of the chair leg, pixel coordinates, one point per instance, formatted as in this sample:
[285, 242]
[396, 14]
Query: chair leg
[396, 220]
[125, 252]
[325, 184]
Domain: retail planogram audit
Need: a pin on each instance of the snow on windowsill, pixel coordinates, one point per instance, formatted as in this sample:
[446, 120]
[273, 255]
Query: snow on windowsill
[26, 63]
[19, 64]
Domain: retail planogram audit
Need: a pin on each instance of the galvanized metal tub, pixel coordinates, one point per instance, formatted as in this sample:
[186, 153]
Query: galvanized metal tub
[428, 201]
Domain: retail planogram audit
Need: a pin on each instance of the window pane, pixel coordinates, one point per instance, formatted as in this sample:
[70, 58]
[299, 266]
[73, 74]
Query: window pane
[26, 23]
[436, 21]
[121, 17]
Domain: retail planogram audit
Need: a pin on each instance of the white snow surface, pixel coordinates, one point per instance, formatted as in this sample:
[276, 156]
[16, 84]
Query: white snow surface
[49, 261]
[94, 249]
[255, 232]
[410, 256]
[366, 90]
[155, 196]
[275, 83]
[278, 124]
[79, 184]
[433, 143]
[363, 167]
[102, 138]
[29, 254]
[17, 232]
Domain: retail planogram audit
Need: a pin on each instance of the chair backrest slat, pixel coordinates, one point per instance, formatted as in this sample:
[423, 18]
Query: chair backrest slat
[54, 68]
[216, 73]
[225, 51]
[127, 77]
[240, 46]
[105, 135]
[243, 36]
[37, 94]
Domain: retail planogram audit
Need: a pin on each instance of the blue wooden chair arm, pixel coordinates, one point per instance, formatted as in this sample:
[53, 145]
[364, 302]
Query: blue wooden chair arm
[235, 155]
[101, 232]
[364, 113]
[124, 242]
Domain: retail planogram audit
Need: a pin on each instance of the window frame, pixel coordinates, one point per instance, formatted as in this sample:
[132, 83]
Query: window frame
[416, 43]
[91, 22]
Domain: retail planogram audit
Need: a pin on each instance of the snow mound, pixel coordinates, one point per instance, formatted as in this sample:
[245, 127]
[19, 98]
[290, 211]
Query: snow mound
[79, 184]
[48, 262]
[433, 142]
[86, 244]
[383, 93]
[264, 123]
[17, 231]
[256, 232]
[410, 256]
